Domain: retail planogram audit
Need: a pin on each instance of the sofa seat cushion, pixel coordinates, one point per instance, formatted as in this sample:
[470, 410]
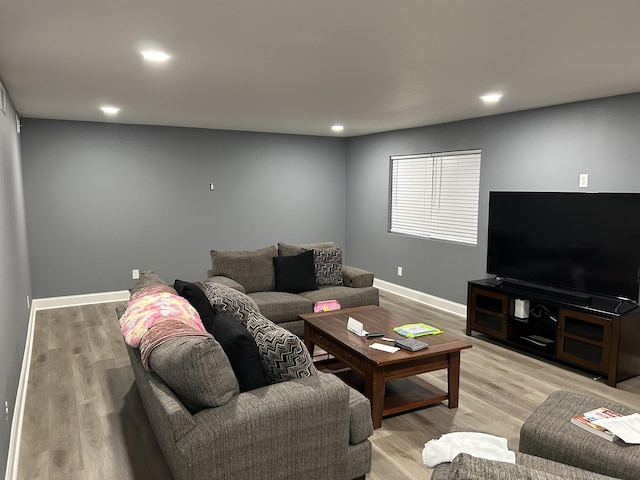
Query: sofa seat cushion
[347, 296]
[253, 269]
[284, 356]
[281, 306]
[197, 370]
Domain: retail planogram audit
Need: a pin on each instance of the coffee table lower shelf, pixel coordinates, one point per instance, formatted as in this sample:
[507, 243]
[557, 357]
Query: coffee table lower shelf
[401, 395]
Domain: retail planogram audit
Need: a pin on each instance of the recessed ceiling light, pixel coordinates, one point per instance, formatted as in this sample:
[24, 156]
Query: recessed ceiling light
[155, 56]
[337, 128]
[491, 97]
[110, 110]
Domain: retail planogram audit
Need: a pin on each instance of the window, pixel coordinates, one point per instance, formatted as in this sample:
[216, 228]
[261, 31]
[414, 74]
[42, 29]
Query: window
[435, 195]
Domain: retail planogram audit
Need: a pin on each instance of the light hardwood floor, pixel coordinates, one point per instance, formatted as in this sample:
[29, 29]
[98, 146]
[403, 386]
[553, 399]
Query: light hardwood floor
[84, 418]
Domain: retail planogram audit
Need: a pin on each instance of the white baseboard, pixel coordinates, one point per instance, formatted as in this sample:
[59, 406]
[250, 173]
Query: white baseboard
[11, 472]
[73, 300]
[421, 297]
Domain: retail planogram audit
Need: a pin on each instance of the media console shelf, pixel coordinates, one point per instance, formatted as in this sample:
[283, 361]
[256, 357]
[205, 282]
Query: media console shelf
[591, 337]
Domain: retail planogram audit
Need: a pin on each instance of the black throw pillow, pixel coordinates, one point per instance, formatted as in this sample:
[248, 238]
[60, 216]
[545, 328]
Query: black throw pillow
[198, 300]
[242, 351]
[295, 273]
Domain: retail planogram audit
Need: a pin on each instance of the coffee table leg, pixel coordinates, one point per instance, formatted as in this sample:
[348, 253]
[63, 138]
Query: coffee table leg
[374, 391]
[453, 378]
[307, 339]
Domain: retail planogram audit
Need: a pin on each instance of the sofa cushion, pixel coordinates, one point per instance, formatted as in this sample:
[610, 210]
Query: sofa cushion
[347, 297]
[253, 269]
[197, 298]
[197, 370]
[281, 306]
[327, 264]
[288, 249]
[284, 356]
[242, 351]
[548, 433]
[467, 467]
[295, 273]
[229, 300]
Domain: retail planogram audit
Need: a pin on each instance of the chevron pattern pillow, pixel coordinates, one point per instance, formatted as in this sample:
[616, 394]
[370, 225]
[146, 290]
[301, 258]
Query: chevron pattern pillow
[327, 263]
[284, 356]
[230, 300]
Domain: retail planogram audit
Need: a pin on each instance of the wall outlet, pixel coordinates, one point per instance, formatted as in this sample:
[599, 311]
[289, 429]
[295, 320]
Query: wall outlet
[584, 180]
[399, 271]
[6, 410]
[135, 274]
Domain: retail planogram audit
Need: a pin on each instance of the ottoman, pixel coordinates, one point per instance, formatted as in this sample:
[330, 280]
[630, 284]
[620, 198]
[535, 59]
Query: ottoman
[548, 433]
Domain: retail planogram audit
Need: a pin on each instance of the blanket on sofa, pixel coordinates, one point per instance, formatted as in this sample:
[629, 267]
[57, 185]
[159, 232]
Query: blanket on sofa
[144, 311]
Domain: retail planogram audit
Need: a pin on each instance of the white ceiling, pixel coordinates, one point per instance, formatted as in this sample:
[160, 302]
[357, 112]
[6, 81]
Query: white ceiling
[299, 66]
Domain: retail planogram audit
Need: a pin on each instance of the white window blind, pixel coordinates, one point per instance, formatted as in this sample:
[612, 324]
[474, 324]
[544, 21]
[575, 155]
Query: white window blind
[436, 195]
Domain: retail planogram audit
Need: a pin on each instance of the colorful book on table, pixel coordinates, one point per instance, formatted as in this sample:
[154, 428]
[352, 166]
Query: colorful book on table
[585, 421]
[413, 330]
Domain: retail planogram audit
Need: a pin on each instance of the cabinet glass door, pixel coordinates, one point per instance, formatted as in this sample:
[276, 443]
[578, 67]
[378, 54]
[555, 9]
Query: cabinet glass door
[585, 340]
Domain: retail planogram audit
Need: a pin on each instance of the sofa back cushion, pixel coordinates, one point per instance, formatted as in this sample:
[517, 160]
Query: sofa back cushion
[197, 370]
[288, 249]
[253, 269]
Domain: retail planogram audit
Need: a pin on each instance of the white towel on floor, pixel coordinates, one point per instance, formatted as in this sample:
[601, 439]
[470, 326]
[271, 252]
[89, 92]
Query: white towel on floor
[446, 447]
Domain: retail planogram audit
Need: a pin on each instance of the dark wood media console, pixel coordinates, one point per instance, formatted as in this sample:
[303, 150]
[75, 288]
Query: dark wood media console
[588, 332]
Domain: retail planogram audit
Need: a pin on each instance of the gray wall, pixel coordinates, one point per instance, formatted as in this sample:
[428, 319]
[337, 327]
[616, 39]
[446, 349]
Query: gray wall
[539, 150]
[14, 274]
[103, 199]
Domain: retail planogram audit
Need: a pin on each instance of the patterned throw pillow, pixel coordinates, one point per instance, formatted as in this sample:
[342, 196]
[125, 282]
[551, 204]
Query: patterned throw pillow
[284, 356]
[328, 265]
[230, 300]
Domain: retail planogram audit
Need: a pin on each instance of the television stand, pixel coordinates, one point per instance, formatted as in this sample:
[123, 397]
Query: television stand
[600, 336]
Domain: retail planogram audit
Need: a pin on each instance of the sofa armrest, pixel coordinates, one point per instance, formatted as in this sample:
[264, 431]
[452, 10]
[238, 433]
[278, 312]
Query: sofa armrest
[229, 282]
[306, 419]
[360, 423]
[356, 277]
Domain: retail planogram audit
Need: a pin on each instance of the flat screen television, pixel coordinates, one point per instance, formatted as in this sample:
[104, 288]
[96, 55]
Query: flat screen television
[585, 242]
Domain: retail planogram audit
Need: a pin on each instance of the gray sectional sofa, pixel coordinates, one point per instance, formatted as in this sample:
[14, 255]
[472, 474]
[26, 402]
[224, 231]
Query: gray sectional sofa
[551, 448]
[301, 424]
[255, 273]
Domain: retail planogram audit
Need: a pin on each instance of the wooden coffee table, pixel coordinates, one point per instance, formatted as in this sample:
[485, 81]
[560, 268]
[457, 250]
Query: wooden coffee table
[387, 379]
